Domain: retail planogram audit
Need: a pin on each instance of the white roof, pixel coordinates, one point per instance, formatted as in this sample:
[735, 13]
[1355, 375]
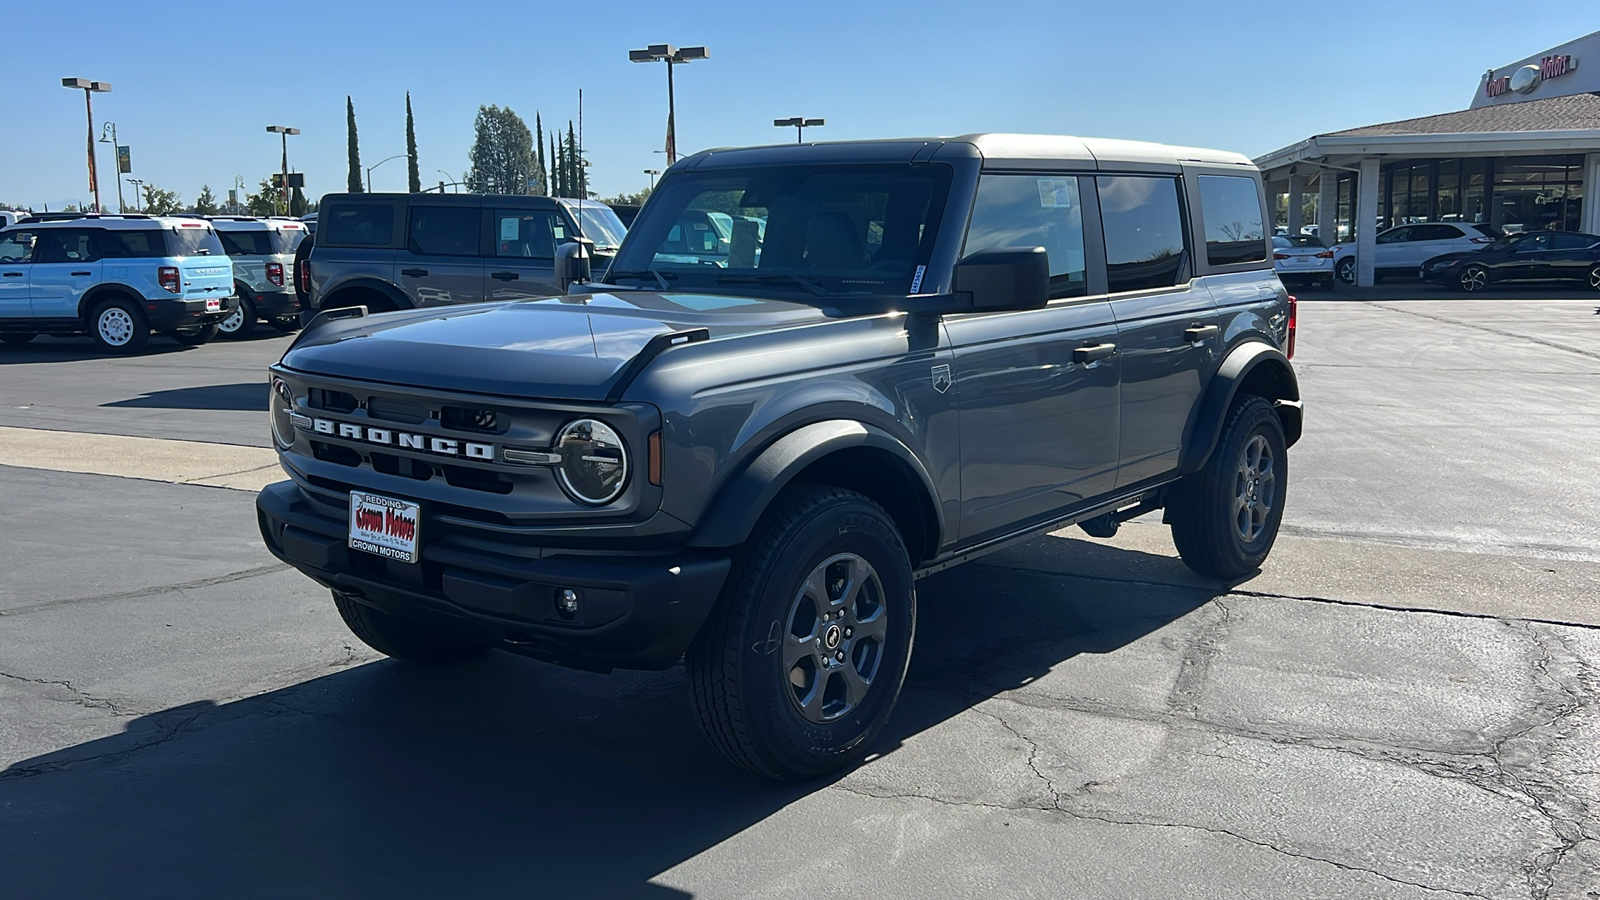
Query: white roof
[1100, 151]
[248, 223]
[121, 223]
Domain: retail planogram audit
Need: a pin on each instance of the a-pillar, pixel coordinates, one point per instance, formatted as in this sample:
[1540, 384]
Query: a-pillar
[1328, 206]
[1297, 192]
[1366, 223]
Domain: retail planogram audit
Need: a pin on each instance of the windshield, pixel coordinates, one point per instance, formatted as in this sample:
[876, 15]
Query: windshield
[600, 225]
[822, 230]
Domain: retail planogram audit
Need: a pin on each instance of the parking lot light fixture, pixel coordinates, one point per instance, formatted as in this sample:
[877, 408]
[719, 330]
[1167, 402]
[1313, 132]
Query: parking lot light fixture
[283, 187]
[138, 185]
[90, 87]
[671, 56]
[377, 164]
[799, 125]
[652, 173]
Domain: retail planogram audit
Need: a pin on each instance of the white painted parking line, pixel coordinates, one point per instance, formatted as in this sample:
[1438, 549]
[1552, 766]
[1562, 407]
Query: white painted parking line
[152, 459]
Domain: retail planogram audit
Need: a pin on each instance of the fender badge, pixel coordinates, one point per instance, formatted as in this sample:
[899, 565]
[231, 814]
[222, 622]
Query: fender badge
[941, 378]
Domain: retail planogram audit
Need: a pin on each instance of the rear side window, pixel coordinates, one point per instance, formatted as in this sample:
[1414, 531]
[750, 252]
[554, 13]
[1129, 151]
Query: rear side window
[358, 225]
[60, 245]
[444, 230]
[1143, 225]
[187, 241]
[132, 244]
[245, 243]
[1231, 206]
[1571, 241]
[1033, 211]
[528, 234]
[1436, 233]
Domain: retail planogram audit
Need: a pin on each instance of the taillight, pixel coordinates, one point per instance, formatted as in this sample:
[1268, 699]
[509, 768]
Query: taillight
[1294, 315]
[1326, 254]
[1280, 256]
[303, 277]
[168, 277]
[275, 273]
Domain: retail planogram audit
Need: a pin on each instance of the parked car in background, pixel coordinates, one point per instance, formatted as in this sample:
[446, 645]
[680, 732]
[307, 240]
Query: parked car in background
[404, 251]
[310, 221]
[263, 253]
[1402, 249]
[10, 217]
[114, 277]
[1302, 260]
[1536, 256]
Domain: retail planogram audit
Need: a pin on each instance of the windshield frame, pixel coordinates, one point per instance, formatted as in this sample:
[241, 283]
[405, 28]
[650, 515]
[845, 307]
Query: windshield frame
[605, 220]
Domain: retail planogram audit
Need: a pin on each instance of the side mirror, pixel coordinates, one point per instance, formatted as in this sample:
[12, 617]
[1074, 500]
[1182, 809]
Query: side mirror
[573, 262]
[1005, 278]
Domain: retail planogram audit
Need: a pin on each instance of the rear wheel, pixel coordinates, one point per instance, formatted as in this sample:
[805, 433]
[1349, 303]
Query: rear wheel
[194, 335]
[802, 661]
[119, 326]
[403, 638]
[1473, 279]
[13, 337]
[241, 323]
[1347, 270]
[1225, 517]
[1594, 279]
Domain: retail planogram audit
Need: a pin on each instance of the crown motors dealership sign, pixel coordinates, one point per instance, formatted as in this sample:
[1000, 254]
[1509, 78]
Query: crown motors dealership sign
[1554, 73]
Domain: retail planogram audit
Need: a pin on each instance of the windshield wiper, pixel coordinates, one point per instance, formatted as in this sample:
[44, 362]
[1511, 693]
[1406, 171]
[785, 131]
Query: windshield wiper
[660, 278]
[771, 278]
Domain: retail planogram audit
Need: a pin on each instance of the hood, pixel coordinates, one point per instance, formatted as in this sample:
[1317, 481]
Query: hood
[561, 348]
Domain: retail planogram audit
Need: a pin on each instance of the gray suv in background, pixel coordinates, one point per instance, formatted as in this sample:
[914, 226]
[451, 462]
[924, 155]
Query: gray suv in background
[405, 251]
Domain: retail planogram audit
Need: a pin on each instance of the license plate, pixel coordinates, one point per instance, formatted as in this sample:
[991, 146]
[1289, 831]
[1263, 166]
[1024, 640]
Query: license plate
[384, 526]
[213, 304]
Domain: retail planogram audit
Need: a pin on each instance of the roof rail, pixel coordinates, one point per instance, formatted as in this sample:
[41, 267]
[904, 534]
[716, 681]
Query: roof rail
[69, 216]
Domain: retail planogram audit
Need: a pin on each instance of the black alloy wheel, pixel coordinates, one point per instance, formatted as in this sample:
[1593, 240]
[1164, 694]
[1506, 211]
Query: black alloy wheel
[1225, 517]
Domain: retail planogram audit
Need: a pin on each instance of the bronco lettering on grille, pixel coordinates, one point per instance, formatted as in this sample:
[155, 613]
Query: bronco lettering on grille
[404, 440]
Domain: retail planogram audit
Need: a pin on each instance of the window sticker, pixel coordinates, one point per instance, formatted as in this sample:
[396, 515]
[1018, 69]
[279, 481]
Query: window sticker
[1057, 193]
[916, 280]
[510, 229]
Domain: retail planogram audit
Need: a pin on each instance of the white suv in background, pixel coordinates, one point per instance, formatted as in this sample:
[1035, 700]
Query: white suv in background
[1404, 248]
[262, 251]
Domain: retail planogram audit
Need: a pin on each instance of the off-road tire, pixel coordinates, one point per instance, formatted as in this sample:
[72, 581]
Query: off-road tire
[1201, 508]
[285, 324]
[403, 638]
[13, 337]
[737, 676]
[195, 335]
[247, 321]
[100, 325]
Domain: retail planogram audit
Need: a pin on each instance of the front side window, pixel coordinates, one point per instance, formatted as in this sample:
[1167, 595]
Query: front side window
[16, 247]
[529, 234]
[64, 245]
[832, 230]
[357, 225]
[1231, 207]
[1143, 224]
[444, 230]
[1396, 235]
[1033, 211]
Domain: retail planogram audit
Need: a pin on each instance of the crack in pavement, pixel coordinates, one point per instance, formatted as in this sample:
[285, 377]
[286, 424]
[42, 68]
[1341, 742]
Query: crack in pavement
[1488, 330]
[152, 591]
[79, 698]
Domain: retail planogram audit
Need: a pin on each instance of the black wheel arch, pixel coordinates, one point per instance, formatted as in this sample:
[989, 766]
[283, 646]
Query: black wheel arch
[1253, 367]
[353, 288]
[839, 452]
[102, 292]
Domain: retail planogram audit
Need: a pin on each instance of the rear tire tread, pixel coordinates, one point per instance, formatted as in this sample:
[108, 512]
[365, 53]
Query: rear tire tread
[1207, 546]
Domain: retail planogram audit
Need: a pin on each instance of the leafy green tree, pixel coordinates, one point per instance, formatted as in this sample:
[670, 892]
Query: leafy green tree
[502, 157]
[158, 202]
[353, 184]
[636, 198]
[265, 201]
[206, 203]
[413, 177]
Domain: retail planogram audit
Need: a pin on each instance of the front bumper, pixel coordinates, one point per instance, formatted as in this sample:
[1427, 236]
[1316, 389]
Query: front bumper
[635, 611]
[165, 315]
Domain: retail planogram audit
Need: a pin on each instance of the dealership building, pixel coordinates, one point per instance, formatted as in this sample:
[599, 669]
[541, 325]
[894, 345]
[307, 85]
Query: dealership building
[1523, 156]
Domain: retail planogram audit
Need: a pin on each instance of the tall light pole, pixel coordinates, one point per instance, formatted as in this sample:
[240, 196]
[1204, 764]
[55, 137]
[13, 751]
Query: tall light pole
[138, 184]
[800, 125]
[377, 164]
[283, 188]
[652, 173]
[671, 56]
[108, 134]
[90, 87]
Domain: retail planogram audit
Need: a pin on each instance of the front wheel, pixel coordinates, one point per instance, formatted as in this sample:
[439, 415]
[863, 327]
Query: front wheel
[1474, 279]
[1347, 270]
[802, 661]
[1594, 279]
[1225, 517]
[241, 323]
[403, 638]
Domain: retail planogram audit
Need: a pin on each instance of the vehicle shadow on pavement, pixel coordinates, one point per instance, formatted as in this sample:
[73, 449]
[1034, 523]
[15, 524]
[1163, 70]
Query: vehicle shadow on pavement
[46, 349]
[250, 396]
[500, 776]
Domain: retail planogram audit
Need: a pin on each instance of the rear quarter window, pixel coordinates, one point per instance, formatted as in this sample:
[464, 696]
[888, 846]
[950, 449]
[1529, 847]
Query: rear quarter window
[1231, 208]
[357, 225]
[145, 244]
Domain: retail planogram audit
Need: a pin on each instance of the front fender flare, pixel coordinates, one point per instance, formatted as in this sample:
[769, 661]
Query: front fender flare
[1276, 382]
[732, 515]
[395, 295]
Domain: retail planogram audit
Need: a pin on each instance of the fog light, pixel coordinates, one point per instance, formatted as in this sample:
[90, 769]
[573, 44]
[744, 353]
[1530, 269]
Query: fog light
[567, 602]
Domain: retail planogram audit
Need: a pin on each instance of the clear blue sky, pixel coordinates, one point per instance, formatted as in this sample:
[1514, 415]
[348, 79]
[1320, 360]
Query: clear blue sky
[196, 84]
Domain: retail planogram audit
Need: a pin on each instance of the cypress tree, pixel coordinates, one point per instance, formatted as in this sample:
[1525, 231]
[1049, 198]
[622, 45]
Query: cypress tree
[414, 177]
[354, 183]
[574, 164]
[538, 141]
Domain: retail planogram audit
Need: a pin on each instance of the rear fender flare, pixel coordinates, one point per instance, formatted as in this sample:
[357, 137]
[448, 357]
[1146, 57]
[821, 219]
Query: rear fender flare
[1268, 373]
[396, 296]
[101, 292]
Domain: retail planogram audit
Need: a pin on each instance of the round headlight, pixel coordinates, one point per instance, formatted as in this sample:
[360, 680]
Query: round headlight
[594, 463]
[280, 405]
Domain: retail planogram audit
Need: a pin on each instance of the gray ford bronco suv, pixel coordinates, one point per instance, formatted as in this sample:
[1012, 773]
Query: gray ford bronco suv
[743, 451]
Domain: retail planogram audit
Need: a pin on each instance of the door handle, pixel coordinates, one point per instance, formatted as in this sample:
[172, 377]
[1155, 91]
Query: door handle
[414, 273]
[504, 276]
[13, 274]
[1092, 353]
[1197, 333]
[83, 273]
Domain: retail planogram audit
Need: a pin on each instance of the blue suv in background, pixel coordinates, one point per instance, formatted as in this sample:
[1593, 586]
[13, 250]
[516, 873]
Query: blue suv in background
[114, 277]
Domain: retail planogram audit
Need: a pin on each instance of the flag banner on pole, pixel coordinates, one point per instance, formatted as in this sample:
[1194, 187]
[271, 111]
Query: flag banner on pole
[124, 159]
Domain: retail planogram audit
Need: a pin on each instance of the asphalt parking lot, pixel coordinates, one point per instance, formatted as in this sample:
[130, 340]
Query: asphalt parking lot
[1405, 702]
